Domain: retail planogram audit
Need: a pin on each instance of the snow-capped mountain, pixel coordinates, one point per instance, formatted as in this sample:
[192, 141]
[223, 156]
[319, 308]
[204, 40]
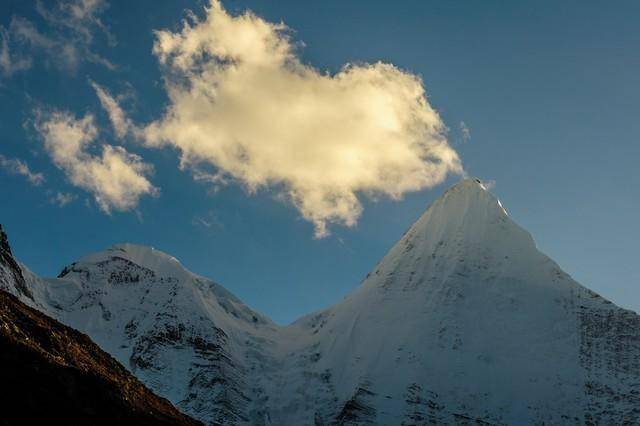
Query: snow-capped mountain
[53, 374]
[183, 335]
[464, 321]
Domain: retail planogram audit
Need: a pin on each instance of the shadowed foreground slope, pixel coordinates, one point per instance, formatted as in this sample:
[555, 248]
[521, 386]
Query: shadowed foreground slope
[53, 372]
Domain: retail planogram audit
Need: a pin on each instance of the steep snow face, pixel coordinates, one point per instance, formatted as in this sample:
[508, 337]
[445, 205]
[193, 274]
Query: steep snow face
[463, 321]
[146, 257]
[181, 334]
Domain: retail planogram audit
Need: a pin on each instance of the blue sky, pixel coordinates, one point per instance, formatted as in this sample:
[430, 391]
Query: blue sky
[548, 92]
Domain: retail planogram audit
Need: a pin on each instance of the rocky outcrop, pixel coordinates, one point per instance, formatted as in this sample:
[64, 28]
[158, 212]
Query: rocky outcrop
[358, 410]
[610, 356]
[53, 374]
[11, 277]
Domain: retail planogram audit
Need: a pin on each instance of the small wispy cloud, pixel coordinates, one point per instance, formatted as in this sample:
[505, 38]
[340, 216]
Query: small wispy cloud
[16, 166]
[10, 63]
[209, 220]
[489, 184]
[64, 42]
[464, 131]
[116, 178]
[121, 124]
[79, 16]
[61, 199]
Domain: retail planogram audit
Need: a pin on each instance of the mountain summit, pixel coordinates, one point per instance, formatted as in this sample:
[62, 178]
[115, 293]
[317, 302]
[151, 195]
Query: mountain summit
[468, 320]
[464, 321]
[56, 375]
[466, 225]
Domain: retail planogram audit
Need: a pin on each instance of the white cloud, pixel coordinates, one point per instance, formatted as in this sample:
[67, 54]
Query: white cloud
[15, 166]
[61, 53]
[243, 102]
[61, 199]
[25, 30]
[80, 16]
[209, 220]
[9, 63]
[66, 40]
[116, 178]
[464, 131]
[119, 121]
[489, 184]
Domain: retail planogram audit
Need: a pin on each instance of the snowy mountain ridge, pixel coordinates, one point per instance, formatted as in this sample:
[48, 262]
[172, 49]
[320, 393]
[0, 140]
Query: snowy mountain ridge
[464, 321]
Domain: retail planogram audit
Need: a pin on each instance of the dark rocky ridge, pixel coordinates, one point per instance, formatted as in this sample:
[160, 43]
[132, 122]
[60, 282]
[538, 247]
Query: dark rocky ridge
[12, 276]
[52, 373]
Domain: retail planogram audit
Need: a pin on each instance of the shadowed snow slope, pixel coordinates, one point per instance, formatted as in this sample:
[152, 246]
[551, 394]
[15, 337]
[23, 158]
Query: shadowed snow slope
[464, 321]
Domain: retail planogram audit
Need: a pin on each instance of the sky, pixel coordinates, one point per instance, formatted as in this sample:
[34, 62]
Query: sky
[281, 148]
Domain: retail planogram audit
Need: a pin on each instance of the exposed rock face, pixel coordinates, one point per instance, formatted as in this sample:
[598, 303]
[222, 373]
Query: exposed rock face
[11, 278]
[358, 409]
[54, 374]
[180, 333]
[463, 322]
[610, 356]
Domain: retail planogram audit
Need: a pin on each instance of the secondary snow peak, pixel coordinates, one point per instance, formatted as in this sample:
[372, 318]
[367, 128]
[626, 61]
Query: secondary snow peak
[144, 256]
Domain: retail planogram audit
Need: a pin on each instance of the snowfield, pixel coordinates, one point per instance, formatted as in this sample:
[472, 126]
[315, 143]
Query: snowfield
[464, 321]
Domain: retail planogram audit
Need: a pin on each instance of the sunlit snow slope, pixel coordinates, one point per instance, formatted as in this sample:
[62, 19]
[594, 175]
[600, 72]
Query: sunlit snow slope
[464, 321]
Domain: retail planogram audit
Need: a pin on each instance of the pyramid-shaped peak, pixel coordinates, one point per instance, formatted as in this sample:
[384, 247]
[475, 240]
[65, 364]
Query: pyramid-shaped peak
[470, 183]
[467, 203]
[472, 188]
[467, 220]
